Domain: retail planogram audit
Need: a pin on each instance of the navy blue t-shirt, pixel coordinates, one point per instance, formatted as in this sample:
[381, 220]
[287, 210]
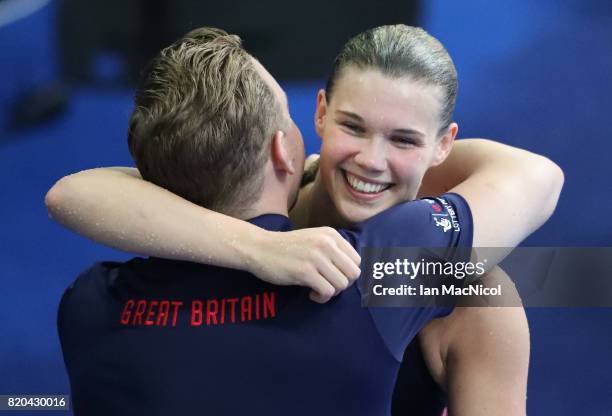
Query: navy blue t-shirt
[157, 337]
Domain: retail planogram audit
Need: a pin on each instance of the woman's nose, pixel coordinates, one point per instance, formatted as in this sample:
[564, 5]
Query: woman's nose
[372, 156]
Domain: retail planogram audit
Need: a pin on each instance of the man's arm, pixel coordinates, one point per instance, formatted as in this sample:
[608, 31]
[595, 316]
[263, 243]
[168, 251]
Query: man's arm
[116, 207]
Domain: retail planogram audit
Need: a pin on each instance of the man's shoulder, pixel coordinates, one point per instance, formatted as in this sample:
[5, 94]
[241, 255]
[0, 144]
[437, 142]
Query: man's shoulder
[84, 304]
[101, 268]
[92, 283]
[99, 271]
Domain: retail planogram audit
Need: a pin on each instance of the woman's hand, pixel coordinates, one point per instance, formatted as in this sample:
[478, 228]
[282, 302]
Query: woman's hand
[310, 160]
[311, 167]
[318, 258]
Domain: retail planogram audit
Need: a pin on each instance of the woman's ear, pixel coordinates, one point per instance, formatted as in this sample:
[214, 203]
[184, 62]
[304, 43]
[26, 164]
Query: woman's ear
[445, 144]
[321, 112]
[281, 156]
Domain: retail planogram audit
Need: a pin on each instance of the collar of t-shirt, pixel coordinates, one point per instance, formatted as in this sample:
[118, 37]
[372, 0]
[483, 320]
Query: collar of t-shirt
[272, 222]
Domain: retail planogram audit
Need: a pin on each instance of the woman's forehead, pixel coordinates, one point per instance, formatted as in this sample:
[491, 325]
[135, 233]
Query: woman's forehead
[380, 99]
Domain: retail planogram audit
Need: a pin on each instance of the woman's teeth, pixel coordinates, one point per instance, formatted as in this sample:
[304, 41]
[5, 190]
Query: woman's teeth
[365, 187]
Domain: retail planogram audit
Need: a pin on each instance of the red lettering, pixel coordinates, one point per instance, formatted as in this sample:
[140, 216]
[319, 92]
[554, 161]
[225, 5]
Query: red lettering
[157, 312]
[232, 302]
[177, 304]
[196, 313]
[141, 306]
[127, 312]
[150, 313]
[212, 307]
[269, 300]
[162, 316]
[246, 305]
[222, 311]
[257, 307]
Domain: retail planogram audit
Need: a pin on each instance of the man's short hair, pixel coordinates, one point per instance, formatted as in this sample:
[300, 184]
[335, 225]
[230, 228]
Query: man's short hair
[203, 120]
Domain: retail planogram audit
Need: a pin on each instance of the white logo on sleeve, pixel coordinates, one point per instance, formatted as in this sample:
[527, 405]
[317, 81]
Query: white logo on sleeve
[453, 216]
[444, 223]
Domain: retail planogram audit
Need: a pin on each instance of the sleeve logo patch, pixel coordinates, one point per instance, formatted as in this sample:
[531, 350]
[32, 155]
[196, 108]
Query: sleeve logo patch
[444, 214]
[444, 223]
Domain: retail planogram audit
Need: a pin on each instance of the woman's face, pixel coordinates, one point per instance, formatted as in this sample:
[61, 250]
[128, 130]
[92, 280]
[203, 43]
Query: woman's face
[379, 135]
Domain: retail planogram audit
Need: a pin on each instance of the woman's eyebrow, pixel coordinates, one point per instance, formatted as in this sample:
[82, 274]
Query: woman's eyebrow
[409, 132]
[351, 115]
[357, 117]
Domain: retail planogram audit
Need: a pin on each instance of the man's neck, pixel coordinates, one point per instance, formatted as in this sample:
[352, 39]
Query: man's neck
[257, 210]
[273, 198]
[268, 203]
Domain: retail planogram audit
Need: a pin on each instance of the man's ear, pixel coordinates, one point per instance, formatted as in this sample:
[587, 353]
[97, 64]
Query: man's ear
[321, 112]
[281, 155]
[445, 144]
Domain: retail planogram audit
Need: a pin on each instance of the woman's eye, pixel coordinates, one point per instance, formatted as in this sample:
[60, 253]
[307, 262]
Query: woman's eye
[352, 127]
[404, 141]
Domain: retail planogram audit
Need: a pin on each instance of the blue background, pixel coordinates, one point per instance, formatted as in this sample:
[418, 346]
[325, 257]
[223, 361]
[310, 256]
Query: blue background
[532, 74]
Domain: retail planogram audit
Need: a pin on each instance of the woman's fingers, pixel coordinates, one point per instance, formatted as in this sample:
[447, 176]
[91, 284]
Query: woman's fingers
[347, 259]
[322, 291]
[318, 258]
[331, 273]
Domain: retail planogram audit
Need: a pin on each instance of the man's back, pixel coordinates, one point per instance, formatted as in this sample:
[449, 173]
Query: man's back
[302, 356]
[157, 336]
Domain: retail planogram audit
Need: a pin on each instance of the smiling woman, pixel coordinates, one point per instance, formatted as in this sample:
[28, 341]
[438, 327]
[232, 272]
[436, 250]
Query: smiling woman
[385, 118]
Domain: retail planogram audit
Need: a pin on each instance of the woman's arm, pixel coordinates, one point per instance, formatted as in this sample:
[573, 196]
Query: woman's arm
[487, 356]
[116, 207]
[480, 354]
[511, 192]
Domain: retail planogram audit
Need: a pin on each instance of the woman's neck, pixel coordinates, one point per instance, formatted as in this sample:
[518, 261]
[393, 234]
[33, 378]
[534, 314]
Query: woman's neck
[314, 208]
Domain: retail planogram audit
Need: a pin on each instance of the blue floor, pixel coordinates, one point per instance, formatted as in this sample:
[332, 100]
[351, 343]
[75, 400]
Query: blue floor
[535, 76]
